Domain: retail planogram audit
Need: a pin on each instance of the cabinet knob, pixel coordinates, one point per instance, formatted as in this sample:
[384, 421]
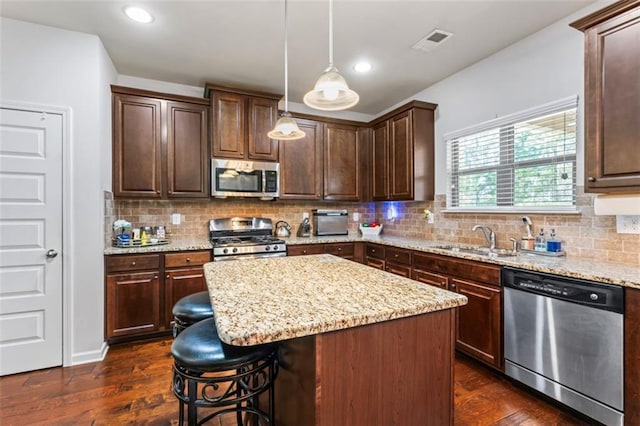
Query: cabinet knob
[395, 255]
[373, 250]
[304, 252]
[155, 277]
[453, 286]
[133, 263]
[157, 191]
[167, 276]
[387, 268]
[443, 284]
[591, 179]
[188, 259]
[339, 248]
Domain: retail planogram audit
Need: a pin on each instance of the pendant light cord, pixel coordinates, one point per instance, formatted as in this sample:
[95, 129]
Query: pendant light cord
[330, 33]
[286, 62]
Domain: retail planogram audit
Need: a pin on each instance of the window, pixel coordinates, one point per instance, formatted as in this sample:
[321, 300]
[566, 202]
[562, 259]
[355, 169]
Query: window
[522, 162]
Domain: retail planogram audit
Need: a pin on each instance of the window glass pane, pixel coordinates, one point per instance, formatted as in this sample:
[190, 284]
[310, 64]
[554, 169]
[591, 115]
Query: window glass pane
[545, 185]
[478, 189]
[550, 136]
[479, 150]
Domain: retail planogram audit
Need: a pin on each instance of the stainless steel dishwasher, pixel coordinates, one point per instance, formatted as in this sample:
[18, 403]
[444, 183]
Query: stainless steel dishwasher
[564, 338]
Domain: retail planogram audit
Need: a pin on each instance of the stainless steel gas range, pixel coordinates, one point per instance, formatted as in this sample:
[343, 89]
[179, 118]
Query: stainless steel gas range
[236, 238]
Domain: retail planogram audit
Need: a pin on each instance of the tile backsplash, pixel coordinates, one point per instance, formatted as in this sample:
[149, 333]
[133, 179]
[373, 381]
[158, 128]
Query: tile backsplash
[585, 235]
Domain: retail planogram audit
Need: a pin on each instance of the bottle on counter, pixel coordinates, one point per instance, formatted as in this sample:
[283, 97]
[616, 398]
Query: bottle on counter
[541, 242]
[553, 243]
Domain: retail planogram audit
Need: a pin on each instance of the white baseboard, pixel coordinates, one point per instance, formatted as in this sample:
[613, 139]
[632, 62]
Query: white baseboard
[90, 356]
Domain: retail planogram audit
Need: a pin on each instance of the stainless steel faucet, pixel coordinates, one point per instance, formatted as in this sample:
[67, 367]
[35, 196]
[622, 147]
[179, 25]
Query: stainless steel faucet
[489, 235]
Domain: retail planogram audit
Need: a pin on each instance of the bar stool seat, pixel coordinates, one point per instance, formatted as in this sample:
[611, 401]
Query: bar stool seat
[190, 310]
[210, 373]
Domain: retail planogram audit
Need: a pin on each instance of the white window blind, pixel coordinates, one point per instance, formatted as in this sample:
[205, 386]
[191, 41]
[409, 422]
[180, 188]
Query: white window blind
[522, 162]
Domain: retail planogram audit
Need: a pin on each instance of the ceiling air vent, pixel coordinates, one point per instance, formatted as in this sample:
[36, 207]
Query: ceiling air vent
[435, 38]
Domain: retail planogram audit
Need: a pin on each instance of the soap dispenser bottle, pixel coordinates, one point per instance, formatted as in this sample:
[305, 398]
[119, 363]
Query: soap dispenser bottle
[541, 242]
[554, 244]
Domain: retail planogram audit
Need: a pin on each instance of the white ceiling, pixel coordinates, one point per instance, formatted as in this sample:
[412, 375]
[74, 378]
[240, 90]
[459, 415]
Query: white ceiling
[240, 43]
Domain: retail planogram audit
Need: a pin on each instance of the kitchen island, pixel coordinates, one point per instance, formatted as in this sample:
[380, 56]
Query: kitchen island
[359, 346]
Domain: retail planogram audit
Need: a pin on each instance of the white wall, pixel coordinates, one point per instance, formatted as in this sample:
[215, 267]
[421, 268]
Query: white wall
[44, 65]
[541, 68]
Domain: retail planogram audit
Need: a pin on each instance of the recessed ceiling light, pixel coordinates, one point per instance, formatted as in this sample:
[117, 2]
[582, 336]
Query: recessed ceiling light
[138, 14]
[362, 67]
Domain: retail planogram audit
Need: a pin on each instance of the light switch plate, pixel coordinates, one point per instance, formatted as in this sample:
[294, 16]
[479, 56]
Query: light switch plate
[305, 215]
[175, 219]
[628, 224]
[356, 217]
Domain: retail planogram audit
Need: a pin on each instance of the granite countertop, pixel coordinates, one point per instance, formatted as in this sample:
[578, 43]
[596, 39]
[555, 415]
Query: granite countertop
[173, 246]
[589, 269]
[267, 300]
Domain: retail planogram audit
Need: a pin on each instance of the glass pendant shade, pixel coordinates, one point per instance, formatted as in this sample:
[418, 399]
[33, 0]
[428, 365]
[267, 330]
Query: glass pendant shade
[331, 92]
[286, 129]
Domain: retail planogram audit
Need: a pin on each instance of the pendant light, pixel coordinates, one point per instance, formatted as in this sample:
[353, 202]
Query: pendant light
[331, 92]
[286, 128]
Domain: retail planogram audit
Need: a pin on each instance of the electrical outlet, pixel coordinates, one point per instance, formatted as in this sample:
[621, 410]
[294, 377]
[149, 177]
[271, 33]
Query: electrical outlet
[628, 224]
[431, 219]
[356, 217]
[305, 215]
[175, 219]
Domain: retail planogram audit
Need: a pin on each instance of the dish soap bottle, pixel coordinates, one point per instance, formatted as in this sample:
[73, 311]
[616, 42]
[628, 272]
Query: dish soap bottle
[541, 242]
[554, 244]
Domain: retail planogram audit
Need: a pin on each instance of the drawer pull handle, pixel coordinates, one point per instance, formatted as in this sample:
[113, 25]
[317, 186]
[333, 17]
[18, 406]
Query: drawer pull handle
[133, 263]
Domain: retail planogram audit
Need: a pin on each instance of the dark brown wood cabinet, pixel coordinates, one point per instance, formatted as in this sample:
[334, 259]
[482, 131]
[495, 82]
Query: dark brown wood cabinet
[343, 162]
[141, 290]
[304, 249]
[398, 261]
[632, 357]
[612, 97]
[184, 275]
[160, 145]
[402, 154]
[132, 295]
[301, 176]
[479, 323]
[240, 121]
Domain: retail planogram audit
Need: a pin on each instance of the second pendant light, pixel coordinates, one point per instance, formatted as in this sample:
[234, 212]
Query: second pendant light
[331, 92]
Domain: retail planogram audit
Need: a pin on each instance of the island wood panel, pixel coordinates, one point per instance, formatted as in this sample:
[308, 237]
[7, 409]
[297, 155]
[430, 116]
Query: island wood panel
[632, 357]
[396, 372]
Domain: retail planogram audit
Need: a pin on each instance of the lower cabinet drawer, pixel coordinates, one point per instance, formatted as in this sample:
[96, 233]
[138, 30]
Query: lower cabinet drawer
[138, 262]
[399, 256]
[180, 260]
[375, 263]
[402, 270]
[339, 249]
[300, 250]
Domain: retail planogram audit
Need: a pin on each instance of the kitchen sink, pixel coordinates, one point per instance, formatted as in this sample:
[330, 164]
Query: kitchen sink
[486, 251]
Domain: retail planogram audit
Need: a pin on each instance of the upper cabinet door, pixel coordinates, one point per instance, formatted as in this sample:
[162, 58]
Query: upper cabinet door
[612, 98]
[301, 164]
[187, 150]
[228, 125]
[342, 163]
[262, 117]
[137, 136]
[379, 162]
[401, 156]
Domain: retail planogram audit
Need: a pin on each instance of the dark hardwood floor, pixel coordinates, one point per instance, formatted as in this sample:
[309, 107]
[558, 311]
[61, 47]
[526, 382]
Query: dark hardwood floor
[133, 386]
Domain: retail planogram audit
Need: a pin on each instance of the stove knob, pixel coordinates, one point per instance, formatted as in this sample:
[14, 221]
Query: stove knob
[275, 247]
[235, 250]
[267, 248]
[225, 251]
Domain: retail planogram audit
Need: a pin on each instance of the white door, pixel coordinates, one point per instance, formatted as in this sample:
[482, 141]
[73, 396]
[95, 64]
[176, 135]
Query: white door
[30, 240]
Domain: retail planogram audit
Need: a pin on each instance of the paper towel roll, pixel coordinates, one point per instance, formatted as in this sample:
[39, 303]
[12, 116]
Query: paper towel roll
[627, 204]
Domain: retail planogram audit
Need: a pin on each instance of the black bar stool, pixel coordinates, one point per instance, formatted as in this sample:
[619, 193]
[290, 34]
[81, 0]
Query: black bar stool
[190, 310]
[210, 373]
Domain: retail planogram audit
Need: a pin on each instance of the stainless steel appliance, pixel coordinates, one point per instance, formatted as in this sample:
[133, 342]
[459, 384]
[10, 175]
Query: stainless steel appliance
[330, 222]
[564, 338]
[244, 238]
[240, 178]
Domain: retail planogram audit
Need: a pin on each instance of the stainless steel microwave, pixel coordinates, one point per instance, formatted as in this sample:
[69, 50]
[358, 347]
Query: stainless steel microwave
[241, 178]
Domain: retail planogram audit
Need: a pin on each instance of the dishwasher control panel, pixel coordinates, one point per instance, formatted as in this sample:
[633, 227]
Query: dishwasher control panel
[597, 295]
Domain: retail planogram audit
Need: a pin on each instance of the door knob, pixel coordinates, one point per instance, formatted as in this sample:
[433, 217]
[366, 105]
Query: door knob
[51, 253]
